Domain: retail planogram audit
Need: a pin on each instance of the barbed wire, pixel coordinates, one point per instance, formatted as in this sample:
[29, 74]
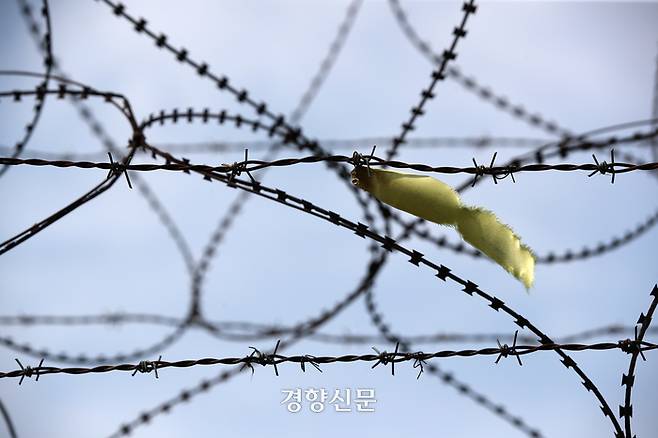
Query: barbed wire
[448, 378]
[415, 257]
[482, 142]
[470, 83]
[99, 132]
[85, 359]
[633, 347]
[296, 115]
[549, 150]
[334, 144]
[116, 170]
[568, 255]
[497, 172]
[546, 151]
[96, 128]
[47, 46]
[289, 135]
[468, 9]
[274, 359]
[302, 330]
[250, 330]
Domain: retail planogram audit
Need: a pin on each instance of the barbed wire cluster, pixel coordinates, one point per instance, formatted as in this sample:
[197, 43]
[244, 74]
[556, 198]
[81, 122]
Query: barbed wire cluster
[285, 132]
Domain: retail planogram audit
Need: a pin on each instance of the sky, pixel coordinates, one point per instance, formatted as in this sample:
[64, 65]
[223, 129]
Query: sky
[583, 65]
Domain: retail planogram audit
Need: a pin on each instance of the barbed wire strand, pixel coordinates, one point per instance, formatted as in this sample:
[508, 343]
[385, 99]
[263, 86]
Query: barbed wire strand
[481, 142]
[47, 48]
[548, 151]
[634, 347]
[274, 359]
[468, 8]
[254, 165]
[335, 144]
[254, 331]
[293, 135]
[85, 359]
[469, 83]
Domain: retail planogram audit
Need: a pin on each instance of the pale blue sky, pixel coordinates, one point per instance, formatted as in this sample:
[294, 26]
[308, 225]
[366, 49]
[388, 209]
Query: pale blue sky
[584, 65]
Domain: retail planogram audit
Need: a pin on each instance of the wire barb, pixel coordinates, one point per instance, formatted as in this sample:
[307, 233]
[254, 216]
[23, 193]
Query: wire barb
[310, 359]
[118, 168]
[384, 358]
[358, 160]
[237, 168]
[418, 363]
[506, 350]
[480, 170]
[603, 167]
[630, 346]
[28, 370]
[146, 366]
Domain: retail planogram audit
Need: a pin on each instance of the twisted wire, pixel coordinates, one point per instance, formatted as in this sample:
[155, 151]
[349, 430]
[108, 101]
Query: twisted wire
[254, 165]
[469, 83]
[249, 330]
[293, 135]
[635, 348]
[438, 74]
[37, 109]
[277, 359]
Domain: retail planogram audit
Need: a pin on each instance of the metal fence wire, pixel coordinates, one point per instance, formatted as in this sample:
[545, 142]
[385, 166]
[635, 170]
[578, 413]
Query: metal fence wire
[609, 147]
